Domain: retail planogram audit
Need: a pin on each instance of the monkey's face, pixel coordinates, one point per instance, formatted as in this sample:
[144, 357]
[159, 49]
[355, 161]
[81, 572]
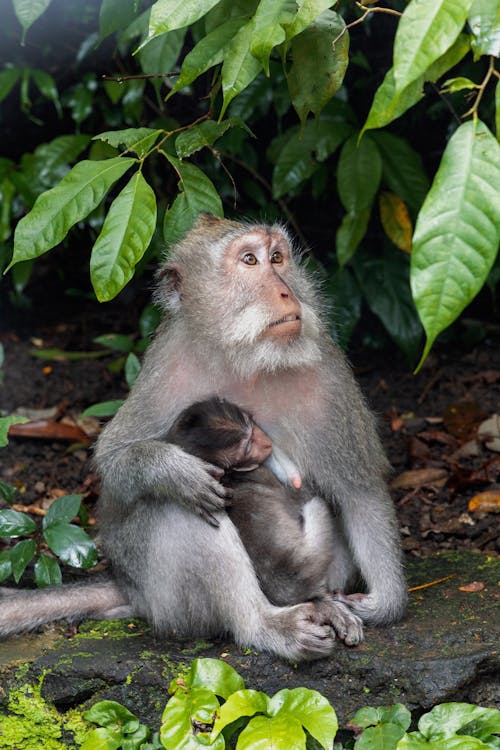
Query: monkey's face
[257, 265]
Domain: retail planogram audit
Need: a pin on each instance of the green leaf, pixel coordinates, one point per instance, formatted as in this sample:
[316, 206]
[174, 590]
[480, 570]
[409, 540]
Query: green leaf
[458, 229]
[138, 140]
[346, 297]
[124, 238]
[426, 30]
[104, 409]
[50, 161]
[384, 281]
[59, 355]
[451, 85]
[205, 134]
[5, 565]
[7, 492]
[240, 67]
[21, 555]
[197, 194]
[149, 320]
[118, 342]
[308, 11]
[278, 733]
[47, 87]
[8, 79]
[268, 30]
[71, 544]
[415, 741]
[447, 719]
[5, 423]
[308, 707]
[28, 11]
[112, 715]
[13, 523]
[115, 15]
[402, 169]
[484, 22]
[195, 706]
[389, 104]
[47, 572]
[214, 675]
[161, 54]
[167, 15]
[57, 210]
[358, 177]
[132, 369]
[102, 739]
[208, 52]
[298, 158]
[240, 703]
[381, 737]
[318, 67]
[63, 510]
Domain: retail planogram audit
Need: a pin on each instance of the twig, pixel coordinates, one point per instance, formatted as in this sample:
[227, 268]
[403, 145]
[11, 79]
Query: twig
[367, 11]
[122, 79]
[432, 583]
[481, 89]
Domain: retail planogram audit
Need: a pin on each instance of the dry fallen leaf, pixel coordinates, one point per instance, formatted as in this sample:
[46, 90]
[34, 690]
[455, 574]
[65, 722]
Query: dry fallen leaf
[419, 477]
[489, 432]
[485, 502]
[472, 587]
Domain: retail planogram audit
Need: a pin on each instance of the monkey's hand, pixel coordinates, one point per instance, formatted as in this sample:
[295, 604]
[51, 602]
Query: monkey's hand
[372, 609]
[197, 485]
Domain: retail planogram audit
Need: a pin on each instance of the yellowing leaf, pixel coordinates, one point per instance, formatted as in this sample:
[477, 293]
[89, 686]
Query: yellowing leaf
[396, 220]
[485, 502]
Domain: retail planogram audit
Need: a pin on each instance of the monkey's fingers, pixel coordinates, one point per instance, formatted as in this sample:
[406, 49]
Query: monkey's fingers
[209, 518]
[215, 471]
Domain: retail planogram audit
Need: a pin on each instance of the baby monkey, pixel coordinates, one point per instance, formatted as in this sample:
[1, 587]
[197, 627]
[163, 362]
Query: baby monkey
[287, 533]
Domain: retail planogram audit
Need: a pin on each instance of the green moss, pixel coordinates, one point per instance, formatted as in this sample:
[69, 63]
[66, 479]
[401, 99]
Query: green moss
[198, 646]
[112, 628]
[31, 723]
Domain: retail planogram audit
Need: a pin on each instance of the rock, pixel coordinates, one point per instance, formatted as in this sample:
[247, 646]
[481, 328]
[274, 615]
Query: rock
[445, 650]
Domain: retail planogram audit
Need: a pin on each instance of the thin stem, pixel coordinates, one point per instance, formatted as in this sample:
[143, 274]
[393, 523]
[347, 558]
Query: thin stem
[480, 91]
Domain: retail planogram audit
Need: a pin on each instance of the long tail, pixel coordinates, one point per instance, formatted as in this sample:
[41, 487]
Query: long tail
[25, 610]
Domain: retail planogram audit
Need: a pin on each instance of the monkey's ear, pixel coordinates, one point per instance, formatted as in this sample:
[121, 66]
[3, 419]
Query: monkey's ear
[169, 277]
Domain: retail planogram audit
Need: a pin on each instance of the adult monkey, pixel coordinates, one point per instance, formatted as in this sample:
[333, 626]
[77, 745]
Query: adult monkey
[244, 324]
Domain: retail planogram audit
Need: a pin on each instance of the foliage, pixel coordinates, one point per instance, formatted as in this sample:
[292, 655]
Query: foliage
[181, 129]
[65, 540]
[210, 707]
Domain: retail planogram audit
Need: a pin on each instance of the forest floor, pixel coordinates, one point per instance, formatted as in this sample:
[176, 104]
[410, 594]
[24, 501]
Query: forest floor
[433, 424]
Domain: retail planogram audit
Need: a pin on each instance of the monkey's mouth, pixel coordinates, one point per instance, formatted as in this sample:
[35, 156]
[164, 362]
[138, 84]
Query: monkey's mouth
[292, 318]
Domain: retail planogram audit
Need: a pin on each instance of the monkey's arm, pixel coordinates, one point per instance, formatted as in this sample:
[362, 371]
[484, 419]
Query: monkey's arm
[161, 471]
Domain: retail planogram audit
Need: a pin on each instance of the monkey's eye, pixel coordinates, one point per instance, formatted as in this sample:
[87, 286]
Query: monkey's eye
[277, 257]
[249, 259]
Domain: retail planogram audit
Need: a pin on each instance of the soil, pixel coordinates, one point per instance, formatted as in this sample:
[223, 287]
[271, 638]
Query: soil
[428, 422]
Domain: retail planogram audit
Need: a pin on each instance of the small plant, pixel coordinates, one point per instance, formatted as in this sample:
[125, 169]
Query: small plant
[210, 707]
[68, 542]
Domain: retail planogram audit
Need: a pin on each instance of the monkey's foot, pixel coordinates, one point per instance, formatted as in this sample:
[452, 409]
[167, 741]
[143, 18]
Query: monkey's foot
[302, 633]
[371, 609]
[347, 625]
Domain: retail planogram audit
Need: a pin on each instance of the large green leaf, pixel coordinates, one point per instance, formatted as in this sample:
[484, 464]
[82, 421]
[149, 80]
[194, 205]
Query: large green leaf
[205, 134]
[167, 15]
[71, 544]
[197, 194]
[20, 556]
[57, 210]
[47, 87]
[64, 509]
[277, 732]
[8, 79]
[268, 29]
[458, 229]
[484, 21]
[426, 30]
[161, 54]
[240, 703]
[308, 11]
[13, 523]
[28, 11]
[47, 572]
[311, 709]
[184, 709]
[138, 140]
[208, 52]
[358, 178]
[115, 15]
[447, 719]
[345, 294]
[240, 67]
[389, 104]
[214, 675]
[318, 66]
[124, 238]
[5, 565]
[402, 169]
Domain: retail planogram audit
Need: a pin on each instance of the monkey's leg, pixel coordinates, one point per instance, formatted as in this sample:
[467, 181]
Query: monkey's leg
[370, 527]
[202, 582]
[26, 610]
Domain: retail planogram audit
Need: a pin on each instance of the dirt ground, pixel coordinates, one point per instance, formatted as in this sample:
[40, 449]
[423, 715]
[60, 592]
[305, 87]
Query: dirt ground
[429, 422]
